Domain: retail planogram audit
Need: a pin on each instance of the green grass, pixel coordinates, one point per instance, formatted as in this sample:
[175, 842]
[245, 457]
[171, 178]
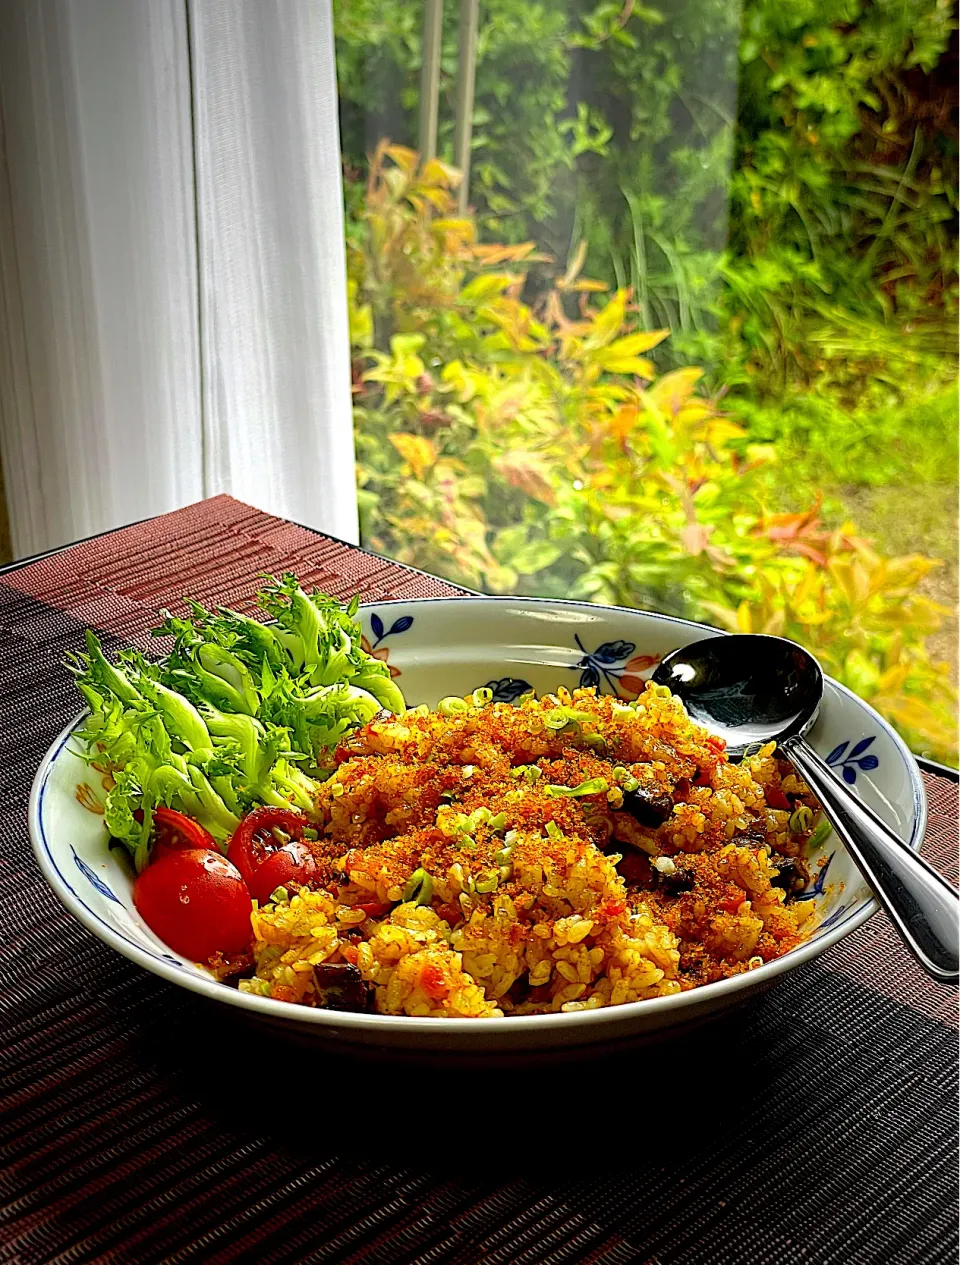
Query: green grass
[830, 435]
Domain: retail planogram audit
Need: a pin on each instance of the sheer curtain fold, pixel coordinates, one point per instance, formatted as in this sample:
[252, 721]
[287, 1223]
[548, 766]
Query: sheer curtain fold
[275, 341]
[172, 281]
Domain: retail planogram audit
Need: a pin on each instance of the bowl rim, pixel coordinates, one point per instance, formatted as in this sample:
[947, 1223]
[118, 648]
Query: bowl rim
[197, 981]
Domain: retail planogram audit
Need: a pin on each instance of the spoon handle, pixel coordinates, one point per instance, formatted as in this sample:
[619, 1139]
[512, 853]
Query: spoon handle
[922, 906]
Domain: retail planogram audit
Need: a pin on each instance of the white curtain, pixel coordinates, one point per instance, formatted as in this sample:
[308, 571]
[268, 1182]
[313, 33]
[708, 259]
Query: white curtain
[172, 285]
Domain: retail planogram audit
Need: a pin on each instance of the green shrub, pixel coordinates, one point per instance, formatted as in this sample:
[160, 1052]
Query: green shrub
[819, 133]
[534, 449]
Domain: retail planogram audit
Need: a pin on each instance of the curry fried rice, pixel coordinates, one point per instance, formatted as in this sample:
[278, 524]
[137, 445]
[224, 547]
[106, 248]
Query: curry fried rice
[575, 851]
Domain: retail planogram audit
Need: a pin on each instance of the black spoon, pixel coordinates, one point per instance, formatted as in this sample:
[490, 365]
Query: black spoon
[751, 689]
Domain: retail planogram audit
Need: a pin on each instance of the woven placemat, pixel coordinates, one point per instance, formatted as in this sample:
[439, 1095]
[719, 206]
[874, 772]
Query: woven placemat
[139, 1124]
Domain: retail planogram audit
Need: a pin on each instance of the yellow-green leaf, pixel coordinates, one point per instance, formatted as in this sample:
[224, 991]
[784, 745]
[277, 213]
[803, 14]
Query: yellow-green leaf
[405, 158]
[418, 451]
[608, 320]
[637, 366]
[645, 340]
[406, 344]
[487, 284]
[674, 389]
[436, 172]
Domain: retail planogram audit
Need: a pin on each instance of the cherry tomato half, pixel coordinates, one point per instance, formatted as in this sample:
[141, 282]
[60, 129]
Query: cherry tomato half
[175, 832]
[196, 902]
[268, 850]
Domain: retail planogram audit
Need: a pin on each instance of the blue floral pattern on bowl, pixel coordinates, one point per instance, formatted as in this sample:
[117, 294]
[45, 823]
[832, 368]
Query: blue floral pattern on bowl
[849, 763]
[838, 915]
[509, 689]
[817, 887]
[94, 879]
[615, 665]
[401, 625]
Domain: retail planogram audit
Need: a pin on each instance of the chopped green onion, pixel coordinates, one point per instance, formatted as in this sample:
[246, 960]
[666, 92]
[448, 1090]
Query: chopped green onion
[528, 771]
[562, 716]
[520, 770]
[451, 705]
[820, 835]
[414, 882]
[592, 786]
[556, 720]
[553, 830]
[801, 819]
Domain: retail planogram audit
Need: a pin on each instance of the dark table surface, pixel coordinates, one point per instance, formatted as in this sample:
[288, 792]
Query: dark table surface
[140, 1124]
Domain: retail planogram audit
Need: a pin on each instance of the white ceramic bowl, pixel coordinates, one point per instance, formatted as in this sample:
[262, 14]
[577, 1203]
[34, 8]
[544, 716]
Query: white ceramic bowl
[451, 646]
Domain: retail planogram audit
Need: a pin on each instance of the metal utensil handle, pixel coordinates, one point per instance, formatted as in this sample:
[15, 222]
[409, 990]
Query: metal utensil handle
[922, 906]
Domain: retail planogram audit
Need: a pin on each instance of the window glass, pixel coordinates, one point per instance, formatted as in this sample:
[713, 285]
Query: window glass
[656, 304]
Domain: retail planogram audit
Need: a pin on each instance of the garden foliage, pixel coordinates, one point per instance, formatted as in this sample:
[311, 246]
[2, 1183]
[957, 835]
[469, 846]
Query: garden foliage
[518, 444]
[756, 175]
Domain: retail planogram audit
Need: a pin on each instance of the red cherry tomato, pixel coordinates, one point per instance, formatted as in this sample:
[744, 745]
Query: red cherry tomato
[196, 902]
[174, 832]
[265, 861]
[451, 914]
[293, 863]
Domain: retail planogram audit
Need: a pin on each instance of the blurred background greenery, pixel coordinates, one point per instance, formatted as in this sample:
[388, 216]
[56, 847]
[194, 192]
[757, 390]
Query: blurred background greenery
[775, 187]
